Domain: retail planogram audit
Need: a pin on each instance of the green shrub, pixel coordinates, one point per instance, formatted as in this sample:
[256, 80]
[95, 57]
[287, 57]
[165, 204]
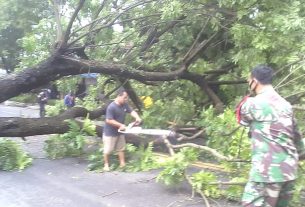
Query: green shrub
[96, 160]
[12, 156]
[161, 112]
[141, 158]
[70, 143]
[138, 159]
[175, 166]
[25, 98]
[200, 182]
[56, 108]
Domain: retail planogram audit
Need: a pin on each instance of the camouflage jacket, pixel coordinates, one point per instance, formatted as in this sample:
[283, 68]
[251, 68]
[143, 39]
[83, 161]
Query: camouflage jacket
[274, 137]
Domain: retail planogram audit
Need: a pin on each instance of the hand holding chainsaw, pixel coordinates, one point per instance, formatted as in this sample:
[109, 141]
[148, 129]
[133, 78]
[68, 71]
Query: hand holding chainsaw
[123, 127]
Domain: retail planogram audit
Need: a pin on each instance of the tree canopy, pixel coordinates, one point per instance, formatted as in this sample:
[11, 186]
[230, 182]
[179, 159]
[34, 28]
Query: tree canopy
[199, 52]
[211, 44]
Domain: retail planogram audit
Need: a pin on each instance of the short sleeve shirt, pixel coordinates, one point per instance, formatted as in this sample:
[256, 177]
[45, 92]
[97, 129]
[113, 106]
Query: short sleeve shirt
[118, 113]
[274, 155]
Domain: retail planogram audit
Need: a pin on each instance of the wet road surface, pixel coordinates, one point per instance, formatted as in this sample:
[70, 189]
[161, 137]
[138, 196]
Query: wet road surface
[68, 183]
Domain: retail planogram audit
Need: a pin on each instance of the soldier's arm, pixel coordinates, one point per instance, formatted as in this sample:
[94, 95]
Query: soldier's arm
[246, 112]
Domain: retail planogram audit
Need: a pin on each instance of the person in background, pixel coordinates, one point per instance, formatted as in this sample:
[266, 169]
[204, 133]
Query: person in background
[275, 141]
[54, 94]
[42, 99]
[81, 89]
[69, 100]
[115, 117]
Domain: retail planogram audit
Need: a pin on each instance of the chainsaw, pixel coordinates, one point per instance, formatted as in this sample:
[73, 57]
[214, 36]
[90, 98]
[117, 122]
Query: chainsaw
[133, 129]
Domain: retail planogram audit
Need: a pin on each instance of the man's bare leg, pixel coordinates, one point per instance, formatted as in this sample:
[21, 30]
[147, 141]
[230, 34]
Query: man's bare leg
[106, 162]
[121, 155]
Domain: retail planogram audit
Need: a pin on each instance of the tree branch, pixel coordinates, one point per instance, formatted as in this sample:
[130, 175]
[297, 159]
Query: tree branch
[69, 27]
[186, 56]
[300, 108]
[110, 23]
[155, 35]
[90, 35]
[201, 82]
[59, 32]
[183, 137]
[204, 148]
[194, 52]
[232, 82]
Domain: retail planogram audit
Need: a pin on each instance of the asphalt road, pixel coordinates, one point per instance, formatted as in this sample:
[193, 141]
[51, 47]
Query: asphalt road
[11, 109]
[67, 183]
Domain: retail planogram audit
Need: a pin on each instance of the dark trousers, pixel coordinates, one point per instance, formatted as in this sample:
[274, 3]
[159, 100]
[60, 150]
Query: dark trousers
[42, 110]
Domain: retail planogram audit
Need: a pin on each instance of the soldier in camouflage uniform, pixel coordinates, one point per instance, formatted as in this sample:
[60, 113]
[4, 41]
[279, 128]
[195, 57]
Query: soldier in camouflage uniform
[275, 143]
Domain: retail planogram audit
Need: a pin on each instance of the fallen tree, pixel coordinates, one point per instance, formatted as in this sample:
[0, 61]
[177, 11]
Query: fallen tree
[69, 58]
[23, 127]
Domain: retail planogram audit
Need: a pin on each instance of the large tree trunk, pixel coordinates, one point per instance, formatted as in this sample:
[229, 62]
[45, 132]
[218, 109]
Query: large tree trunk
[56, 67]
[22, 127]
[59, 66]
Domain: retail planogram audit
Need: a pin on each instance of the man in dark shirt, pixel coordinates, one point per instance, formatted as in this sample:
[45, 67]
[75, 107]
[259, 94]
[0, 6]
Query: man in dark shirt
[42, 99]
[115, 117]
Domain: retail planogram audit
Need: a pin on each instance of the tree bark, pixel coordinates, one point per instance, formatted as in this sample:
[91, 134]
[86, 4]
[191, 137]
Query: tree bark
[56, 67]
[23, 127]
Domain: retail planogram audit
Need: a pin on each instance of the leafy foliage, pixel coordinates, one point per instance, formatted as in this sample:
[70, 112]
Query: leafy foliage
[66, 85]
[299, 187]
[25, 98]
[12, 156]
[175, 166]
[200, 181]
[56, 109]
[70, 143]
[16, 20]
[224, 134]
[141, 159]
[90, 101]
[234, 192]
[156, 37]
[96, 160]
[36, 45]
[138, 159]
[162, 111]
